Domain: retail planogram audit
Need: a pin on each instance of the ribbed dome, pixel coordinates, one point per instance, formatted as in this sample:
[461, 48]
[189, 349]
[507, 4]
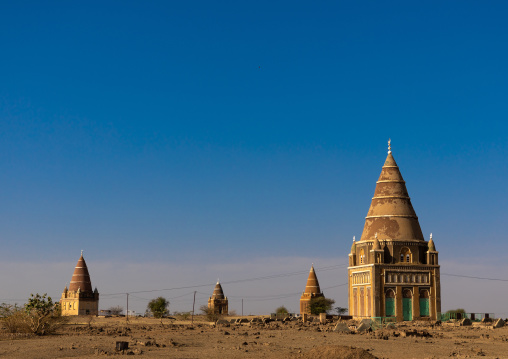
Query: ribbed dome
[312, 286]
[391, 214]
[81, 278]
[217, 292]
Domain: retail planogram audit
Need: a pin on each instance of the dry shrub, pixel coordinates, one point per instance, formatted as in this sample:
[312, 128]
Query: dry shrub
[39, 316]
[210, 315]
[182, 315]
[16, 322]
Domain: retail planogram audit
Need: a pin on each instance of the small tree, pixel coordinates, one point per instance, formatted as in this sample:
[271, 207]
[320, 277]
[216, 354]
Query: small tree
[320, 305]
[460, 310]
[340, 310]
[42, 315]
[281, 310]
[159, 307]
[116, 310]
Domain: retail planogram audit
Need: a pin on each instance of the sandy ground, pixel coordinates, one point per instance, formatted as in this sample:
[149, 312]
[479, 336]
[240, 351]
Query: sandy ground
[178, 339]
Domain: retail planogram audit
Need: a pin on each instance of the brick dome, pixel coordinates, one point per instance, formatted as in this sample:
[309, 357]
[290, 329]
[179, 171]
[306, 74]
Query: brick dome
[312, 286]
[391, 214]
[81, 278]
[217, 292]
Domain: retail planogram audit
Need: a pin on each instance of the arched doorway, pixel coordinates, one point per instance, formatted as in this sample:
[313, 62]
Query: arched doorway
[407, 307]
[424, 303]
[390, 303]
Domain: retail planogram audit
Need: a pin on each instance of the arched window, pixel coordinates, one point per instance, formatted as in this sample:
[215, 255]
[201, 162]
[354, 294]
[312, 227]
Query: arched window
[405, 255]
[362, 256]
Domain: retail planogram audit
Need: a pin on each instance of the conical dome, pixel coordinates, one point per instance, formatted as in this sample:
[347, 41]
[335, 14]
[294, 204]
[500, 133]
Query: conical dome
[81, 278]
[312, 286]
[432, 246]
[217, 292]
[391, 214]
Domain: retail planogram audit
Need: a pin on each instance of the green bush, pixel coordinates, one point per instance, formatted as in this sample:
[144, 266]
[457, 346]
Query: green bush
[42, 315]
[320, 305]
[281, 310]
[158, 307]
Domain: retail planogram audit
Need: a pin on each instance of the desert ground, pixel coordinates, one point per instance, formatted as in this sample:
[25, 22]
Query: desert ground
[83, 337]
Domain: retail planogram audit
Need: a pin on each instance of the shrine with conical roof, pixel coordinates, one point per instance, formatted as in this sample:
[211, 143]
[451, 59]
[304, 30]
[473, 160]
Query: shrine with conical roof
[312, 290]
[218, 302]
[79, 298]
[393, 271]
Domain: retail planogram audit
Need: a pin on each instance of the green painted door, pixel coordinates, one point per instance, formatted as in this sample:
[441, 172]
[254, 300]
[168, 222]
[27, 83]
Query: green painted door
[390, 307]
[424, 307]
[407, 309]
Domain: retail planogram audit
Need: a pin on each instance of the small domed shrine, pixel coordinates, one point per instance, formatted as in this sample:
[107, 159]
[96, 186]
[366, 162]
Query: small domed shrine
[218, 302]
[393, 271]
[312, 290]
[79, 298]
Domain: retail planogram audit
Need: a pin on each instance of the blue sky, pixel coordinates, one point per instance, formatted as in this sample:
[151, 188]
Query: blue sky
[211, 135]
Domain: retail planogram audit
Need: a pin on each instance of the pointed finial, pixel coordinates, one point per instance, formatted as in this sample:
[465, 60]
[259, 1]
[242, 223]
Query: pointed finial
[218, 281]
[389, 146]
[354, 238]
[431, 236]
[81, 253]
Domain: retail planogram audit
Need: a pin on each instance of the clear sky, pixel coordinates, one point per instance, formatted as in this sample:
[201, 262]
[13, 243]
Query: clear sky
[178, 142]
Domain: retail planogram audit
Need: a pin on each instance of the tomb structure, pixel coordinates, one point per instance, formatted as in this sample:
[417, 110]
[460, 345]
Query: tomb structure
[312, 290]
[79, 298]
[218, 303]
[393, 272]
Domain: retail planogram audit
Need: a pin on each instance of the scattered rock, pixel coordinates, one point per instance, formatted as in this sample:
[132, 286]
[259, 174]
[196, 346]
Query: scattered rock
[337, 352]
[341, 327]
[363, 327]
[465, 322]
[498, 323]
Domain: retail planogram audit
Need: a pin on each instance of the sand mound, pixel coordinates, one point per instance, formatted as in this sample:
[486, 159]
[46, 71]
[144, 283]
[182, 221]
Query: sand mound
[338, 352]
